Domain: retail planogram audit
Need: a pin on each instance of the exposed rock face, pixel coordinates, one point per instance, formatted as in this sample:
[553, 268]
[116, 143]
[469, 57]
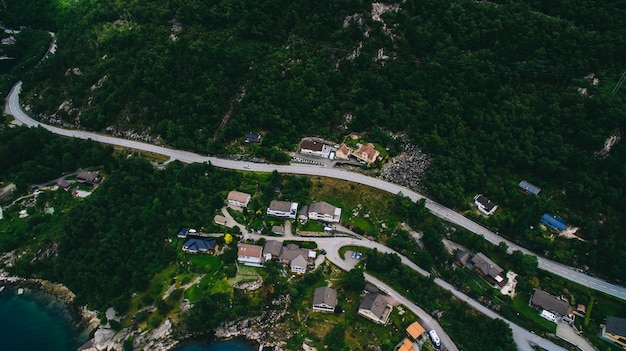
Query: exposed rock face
[261, 328]
[408, 168]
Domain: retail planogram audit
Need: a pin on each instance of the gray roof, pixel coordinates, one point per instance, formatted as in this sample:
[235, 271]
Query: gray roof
[463, 256]
[529, 188]
[322, 207]
[325, 295]
[290, 254]
[278, 229]
[273, 247]
[304, 211]
[616, 326]
[486, 265]
[299, 261]
[376, 303]
[283, 206]
[548, 302]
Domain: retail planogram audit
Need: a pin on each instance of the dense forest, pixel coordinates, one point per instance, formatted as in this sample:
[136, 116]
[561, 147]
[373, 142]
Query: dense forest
[494, 91]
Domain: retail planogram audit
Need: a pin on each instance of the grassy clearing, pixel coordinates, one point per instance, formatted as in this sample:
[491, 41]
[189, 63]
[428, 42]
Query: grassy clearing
[362, 206]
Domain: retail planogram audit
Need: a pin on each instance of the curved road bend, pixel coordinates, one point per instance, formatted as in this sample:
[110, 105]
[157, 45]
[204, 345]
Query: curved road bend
[435, 208]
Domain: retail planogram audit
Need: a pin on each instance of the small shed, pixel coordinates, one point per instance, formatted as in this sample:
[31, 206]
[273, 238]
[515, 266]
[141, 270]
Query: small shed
[528, 188]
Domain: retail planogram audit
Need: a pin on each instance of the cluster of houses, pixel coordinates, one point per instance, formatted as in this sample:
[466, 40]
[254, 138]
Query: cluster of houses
[374, 306]
[483, 266]
[364, 153]
[291, 255]
[487, 208]
[552, 222]
[317, 211]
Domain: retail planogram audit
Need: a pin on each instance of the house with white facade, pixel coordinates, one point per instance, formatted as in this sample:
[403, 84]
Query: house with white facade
[484, 205]
[314, 148]
[250, 255]
[238, 199]
[323, 211]
[375, 308]
[283, 209]
[299, 265]
[325, 299]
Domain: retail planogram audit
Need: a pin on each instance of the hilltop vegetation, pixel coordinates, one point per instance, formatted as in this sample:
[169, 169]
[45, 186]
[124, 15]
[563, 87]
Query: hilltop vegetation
[490, 90]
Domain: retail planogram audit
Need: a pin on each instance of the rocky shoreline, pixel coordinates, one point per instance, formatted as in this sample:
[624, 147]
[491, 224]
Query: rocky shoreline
[82, 320]
[259, 329]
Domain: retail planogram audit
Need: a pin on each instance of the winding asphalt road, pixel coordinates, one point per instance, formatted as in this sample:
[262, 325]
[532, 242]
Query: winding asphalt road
[523, 337]
[570, 273]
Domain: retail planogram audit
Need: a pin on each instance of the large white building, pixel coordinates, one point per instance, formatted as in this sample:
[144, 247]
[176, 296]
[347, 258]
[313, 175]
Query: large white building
[323, 211]
[283, 209]
[314, 148]
[238, 199]
[250, 255]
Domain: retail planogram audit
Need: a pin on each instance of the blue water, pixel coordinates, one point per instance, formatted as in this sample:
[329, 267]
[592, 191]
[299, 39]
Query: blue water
[35, 322]
[229, 345]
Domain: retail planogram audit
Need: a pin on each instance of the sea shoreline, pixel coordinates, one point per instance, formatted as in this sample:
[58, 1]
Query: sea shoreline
[81, 318]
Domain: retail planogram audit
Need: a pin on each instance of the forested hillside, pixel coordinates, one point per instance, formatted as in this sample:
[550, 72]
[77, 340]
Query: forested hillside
[495, 92]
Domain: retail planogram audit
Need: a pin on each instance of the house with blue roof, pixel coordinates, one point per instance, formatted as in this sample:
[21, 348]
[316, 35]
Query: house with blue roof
[199, 245]
[183, 233]
[553, 222]
[252, 138]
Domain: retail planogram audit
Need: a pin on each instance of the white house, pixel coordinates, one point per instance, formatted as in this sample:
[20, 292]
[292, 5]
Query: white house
[283, 209]
[375, 308]
[250, 255]
[314, 148]
[238, 199]
[324, 299]
[322, 211]
[484, 205]
[298, 265]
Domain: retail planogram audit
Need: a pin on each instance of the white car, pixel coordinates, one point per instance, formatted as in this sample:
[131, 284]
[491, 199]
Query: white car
[246, 166]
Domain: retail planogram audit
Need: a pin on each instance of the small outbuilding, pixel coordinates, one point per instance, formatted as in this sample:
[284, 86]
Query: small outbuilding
[528, 188]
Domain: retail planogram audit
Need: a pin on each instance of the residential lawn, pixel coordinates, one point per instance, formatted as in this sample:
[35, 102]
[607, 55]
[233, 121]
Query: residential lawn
[245, 273]
[349, 196]
[196, 292]
[208, 263]
[529, 317]
[311, 226]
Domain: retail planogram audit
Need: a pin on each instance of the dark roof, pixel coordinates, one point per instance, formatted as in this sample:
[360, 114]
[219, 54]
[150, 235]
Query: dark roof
[487, 204]
[89, 177]
[370, 288]
[548, 302]
[183, 232]
[252, 138]
[63, 183]
[199, 244]
[376, 303]
[325, 295]
[311, 145]
[486, 265]
[554, 222]
[529, 188]
[616, 326]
